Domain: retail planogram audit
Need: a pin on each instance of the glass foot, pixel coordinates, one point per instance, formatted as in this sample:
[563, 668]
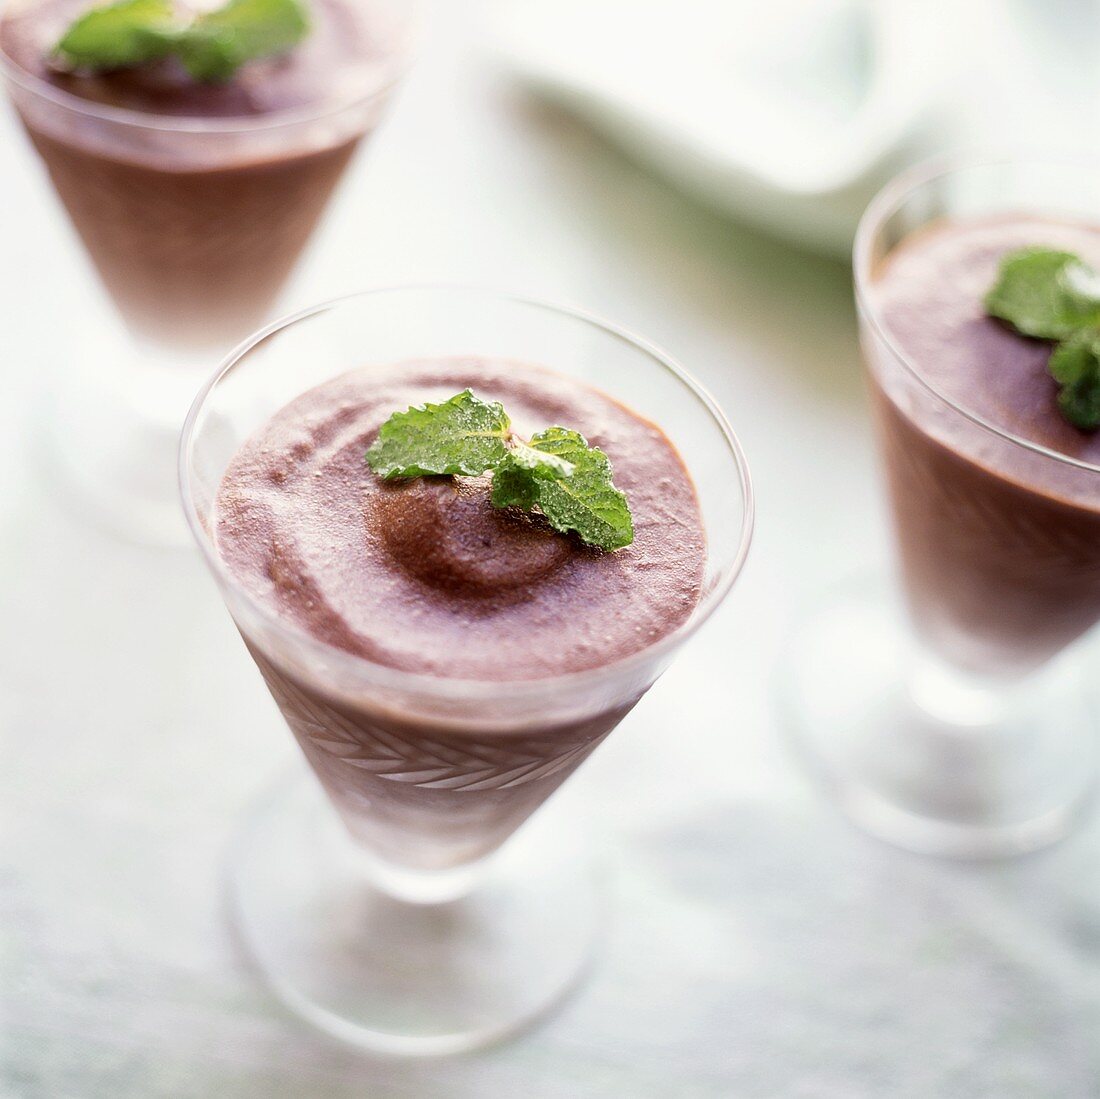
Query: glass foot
[114, 443]
[399, 976]
[923, 759]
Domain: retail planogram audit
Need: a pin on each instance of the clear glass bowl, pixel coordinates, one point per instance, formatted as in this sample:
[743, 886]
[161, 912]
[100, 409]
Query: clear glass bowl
[407, 930]
[193, 224]
[960, 722]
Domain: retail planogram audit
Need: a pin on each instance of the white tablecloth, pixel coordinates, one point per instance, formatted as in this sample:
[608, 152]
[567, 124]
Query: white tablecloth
[760, 947]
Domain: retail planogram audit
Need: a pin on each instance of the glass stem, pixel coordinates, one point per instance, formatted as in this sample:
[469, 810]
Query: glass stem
[411, 885]
[425, 887]
[955, 697]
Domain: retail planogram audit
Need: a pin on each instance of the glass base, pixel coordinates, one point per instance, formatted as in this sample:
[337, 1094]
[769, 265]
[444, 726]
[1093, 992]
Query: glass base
[115, 425]
[924, 759]
[381, 960]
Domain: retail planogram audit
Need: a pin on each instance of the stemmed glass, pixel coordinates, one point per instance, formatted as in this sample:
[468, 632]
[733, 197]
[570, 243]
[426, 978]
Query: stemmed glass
[193, 224]
[419, 926]
[962, 725]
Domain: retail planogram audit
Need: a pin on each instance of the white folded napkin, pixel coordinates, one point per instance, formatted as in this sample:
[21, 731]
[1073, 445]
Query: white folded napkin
[788, 113]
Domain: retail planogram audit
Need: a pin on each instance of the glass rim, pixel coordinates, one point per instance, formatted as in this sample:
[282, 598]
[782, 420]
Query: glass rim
[390, 74]
[898, 190]
[449, 686]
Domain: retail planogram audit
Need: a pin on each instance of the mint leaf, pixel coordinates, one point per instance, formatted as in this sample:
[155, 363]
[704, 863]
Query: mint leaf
[217, 43]
[543, 465]
[515, 486]
[585, 500]
[461, 436]
[1075, 365]
[211, 46]
[131, 32]
[556, 471]
[1045, 293]
[1056, 296]
[516, 479]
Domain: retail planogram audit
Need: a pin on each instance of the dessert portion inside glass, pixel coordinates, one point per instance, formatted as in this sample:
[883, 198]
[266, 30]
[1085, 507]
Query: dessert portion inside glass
[964, 726]
[444, 664]
[194, 194]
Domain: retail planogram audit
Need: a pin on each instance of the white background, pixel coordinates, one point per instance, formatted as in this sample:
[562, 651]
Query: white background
[760, 946]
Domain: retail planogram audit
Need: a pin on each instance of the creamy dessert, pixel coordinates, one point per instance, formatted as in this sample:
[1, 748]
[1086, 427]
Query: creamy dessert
[1000, 545]
[195, 197]
[424, 575]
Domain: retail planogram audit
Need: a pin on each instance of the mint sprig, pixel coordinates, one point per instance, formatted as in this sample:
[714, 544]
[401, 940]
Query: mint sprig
[211, 46]
[555, 471]
[463, 436]
[584, 500]
[1046, 294]
[1075, 365]
[131, 32]
[218, 43]
[1054, 295]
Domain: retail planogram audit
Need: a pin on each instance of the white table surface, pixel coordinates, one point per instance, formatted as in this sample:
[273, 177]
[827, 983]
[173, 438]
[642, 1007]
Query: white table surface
[760, 946]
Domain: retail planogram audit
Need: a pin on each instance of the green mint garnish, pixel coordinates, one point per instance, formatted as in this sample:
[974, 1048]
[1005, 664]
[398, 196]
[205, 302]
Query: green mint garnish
[132, 32]
[1046, 294]
[218, 43]
[211, 46]
[583, 500]
[555, 471]
[462, 436]
[1075, 366]
[1053, 295]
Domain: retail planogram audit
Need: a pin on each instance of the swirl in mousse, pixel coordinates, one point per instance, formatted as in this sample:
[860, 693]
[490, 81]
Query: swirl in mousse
[426, 576]
[194, 198]
[1000, 546]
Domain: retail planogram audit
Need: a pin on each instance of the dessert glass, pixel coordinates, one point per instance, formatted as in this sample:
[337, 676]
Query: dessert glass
[422, 925]
[193, 224]
[960, 724]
